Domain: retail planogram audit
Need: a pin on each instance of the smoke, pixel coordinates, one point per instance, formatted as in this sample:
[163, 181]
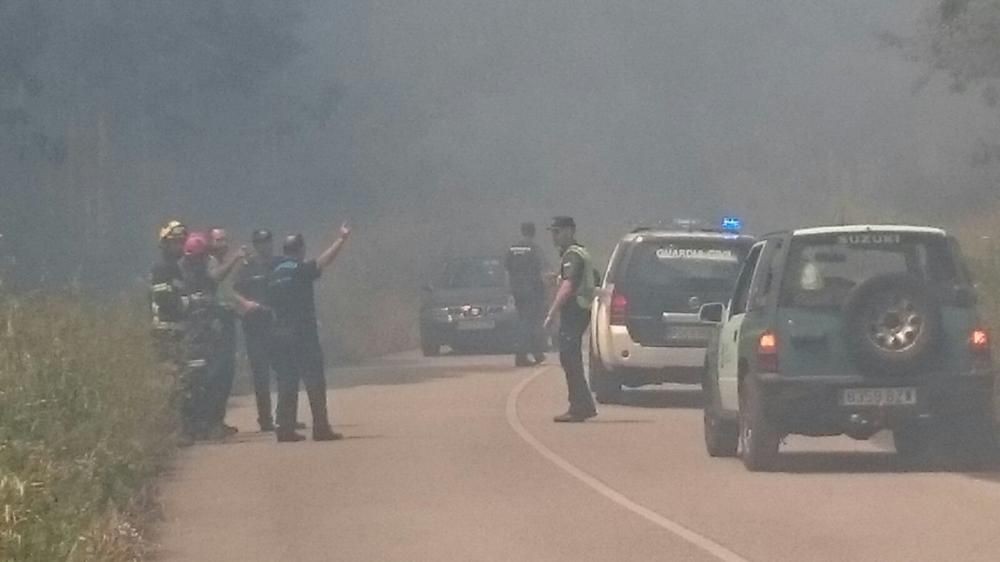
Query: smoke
[438, 126]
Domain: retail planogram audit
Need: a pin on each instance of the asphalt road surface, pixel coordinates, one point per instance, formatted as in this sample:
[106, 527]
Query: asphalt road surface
[456, 459]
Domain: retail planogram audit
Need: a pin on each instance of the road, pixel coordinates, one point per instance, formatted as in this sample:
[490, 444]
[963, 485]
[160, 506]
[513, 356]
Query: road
[456, 459]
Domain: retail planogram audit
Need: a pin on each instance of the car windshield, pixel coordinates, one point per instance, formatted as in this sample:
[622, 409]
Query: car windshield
[823, 270]
[687, 263]
[474, 273]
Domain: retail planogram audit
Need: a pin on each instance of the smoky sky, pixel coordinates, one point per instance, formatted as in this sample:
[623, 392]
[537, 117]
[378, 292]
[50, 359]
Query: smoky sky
[786, 111]
[438, 126]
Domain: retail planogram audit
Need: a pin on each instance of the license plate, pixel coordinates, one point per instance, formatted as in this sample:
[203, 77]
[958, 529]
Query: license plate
[474, 325]
[879, 397]
[687, 333]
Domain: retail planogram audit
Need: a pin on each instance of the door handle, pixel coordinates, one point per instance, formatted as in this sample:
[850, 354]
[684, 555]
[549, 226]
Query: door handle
[736, 335]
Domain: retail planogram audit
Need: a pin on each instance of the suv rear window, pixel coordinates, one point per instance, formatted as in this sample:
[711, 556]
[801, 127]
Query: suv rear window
[680, 263]
[822, 270]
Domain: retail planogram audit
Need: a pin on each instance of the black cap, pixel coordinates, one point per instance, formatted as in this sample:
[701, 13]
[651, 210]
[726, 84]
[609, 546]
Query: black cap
[562, 222]
[293, 243]
[261, 235]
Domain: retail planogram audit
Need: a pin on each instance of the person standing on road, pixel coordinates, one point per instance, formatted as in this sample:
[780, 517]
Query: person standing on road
[573, 302]
[166, 293]
[251, 284]
[296, 351]
[524, 264]
[221, 265]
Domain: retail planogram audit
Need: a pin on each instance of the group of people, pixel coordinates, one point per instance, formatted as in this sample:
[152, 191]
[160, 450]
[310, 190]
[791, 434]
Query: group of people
[577, 282]
[195, 312]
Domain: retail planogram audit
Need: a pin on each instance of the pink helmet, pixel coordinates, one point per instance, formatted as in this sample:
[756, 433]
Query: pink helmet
[196, 244]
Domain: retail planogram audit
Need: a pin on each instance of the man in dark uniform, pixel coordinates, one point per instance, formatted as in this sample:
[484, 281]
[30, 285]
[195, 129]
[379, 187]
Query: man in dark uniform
[524, 266]
[573, 302]
[251, 284]
[296, 351]
[166, 293]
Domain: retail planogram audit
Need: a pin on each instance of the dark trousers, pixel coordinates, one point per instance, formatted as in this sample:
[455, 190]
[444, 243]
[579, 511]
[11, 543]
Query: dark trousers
[257, 334]
[224, 371]
[573, 324]
[295, 360]
[530, 316]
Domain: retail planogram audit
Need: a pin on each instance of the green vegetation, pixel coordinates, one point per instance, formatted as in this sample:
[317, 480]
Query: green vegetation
[85, 423]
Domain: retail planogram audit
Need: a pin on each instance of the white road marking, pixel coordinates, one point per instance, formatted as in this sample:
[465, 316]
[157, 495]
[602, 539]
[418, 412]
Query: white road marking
[700, 541]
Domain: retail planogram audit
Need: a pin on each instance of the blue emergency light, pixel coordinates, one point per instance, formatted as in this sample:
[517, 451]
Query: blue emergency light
[732, 224]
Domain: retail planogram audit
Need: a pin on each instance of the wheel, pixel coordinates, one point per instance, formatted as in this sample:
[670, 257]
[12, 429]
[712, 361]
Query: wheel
[759, 440]
[892, 325]
[607, 388]
[722, 437]
[429, 348]
[913, 443]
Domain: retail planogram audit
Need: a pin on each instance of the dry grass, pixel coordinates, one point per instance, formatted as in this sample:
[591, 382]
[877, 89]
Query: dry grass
[85, 424]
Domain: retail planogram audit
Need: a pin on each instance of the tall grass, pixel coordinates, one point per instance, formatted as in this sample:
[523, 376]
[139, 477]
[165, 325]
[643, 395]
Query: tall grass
[85, 423]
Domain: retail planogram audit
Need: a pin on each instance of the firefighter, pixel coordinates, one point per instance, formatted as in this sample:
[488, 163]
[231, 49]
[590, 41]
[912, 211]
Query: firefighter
[166, 292]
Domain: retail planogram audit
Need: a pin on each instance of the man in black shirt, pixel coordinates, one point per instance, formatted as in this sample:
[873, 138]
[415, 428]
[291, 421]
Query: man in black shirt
[296, 350]
[573, 303]
[525, 267]
[251, 284]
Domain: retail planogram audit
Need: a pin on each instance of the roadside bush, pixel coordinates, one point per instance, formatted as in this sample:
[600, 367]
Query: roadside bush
[85, 423]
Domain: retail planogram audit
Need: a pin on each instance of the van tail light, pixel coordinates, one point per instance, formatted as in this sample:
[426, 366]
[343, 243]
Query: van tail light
[767, 353]
[619, 309]
[979, 345]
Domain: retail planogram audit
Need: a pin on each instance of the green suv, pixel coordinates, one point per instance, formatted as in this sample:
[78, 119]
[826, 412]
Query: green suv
[846, 330]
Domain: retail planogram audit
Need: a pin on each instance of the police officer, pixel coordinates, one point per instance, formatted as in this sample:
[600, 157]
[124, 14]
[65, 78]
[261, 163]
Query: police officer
[296, 350]
[166, 293]
[572, 302]
[524, 264]
[251, 284]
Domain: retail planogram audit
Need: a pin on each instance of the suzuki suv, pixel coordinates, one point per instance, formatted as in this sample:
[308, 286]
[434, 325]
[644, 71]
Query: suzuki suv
[645, 327]
[847, 330]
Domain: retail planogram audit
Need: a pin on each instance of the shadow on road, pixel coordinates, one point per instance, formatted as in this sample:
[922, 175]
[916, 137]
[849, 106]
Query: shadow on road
[885, 462]
[662, 398]
[405, 374]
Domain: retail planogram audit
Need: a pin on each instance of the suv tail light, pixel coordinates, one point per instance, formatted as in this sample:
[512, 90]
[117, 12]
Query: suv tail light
[767, 353]
[979, 345]
[619, 308]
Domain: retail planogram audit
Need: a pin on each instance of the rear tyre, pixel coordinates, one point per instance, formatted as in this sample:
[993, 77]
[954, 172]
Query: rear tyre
[722, 437]
[759, 440]
[429, 348]
[606, 386]
[913, 443]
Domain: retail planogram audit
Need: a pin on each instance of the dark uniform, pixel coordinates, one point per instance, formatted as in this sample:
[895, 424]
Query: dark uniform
[296, 353]
[251, 284]
[525, 266]
[575, 267]
[167, 305]
[203, 346]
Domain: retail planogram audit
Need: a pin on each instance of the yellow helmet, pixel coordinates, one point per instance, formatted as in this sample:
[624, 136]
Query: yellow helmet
[173, 230]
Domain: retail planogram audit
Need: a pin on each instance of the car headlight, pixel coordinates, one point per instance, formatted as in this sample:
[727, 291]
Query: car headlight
[441, 314]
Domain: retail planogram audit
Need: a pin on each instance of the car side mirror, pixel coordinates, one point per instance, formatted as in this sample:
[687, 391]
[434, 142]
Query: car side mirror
[428, 288]
[712, 312]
